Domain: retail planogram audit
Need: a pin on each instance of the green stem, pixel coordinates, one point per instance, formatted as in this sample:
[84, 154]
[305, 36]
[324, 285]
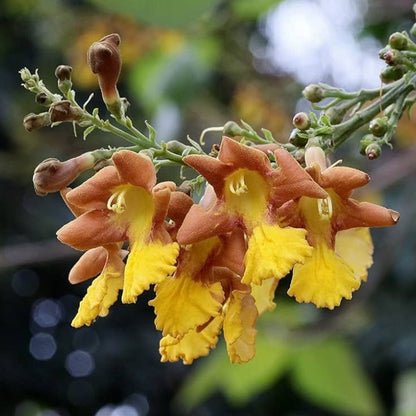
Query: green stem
[400, 88]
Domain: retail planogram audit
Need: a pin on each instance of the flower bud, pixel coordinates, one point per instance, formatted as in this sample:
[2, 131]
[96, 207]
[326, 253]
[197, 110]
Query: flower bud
[43, 99]
[373, 151]
[36, 121]
[301, 121]
[232, 129]
[64, 111]
[398, 41]
[53, 175]
[176, 147]
[316, 155]
[335, 115]
[63, 74]
[378, 126]
[296, 139]
[392, 73]
[104, 60]
[365, 142]
[313, 93]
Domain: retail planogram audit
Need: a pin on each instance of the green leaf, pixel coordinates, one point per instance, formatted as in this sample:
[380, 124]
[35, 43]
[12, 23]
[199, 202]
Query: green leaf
[329, 374]
[239, 382]
[166, 13]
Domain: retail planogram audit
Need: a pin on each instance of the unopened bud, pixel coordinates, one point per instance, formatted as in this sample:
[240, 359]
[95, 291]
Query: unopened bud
[301, 121]
[398, 41]
[313, 93]
[373, 151]
[316, 155]
[378, 126]
[335, 115]
[296, 138]
[52, 175]
[104, 60]
[176, 146]
[63, 74]
[300, 156]
[43, 99]
[365, 142]
[232, 129]
[36, 121]
[64, 111]
[393, 73]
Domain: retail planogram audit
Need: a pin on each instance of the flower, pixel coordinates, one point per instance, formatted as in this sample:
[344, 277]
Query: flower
[123, 203]
[201, 298]
[248, 193]
[338, 232]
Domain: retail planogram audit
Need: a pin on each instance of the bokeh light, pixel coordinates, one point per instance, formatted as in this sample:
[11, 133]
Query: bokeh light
[42, 346]
[79, 363]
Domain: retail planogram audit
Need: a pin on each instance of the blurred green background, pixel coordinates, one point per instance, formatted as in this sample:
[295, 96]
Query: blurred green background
[189, 65]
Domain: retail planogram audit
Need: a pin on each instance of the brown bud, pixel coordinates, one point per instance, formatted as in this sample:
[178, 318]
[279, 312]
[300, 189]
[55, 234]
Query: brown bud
[64, 111]
[104, 60]
[63, 72]
[52, 175]
[36, 121]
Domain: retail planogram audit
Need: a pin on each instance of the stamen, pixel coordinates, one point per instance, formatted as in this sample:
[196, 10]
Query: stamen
[325, 208]
[238, 187]
[120, 205]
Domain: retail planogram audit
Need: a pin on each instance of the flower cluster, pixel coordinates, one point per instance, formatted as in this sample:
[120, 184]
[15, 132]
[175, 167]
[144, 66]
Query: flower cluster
[215, 264]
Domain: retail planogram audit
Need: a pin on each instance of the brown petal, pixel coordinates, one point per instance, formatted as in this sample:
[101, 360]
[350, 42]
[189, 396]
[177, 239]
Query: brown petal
[213, 170]
[94, 192]
[343, 180]
[232, 252]
[92, 229]
[179, 205]
[200, 225]
[241, 156]
[291, 181]
[365, 214]
[135, 168]
[89, 265]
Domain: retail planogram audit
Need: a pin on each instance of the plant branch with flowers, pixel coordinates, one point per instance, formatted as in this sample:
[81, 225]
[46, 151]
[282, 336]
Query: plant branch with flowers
[269, 208]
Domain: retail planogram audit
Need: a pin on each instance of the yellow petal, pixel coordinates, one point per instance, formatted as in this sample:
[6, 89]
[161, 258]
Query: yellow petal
[182, 304]
[148, 264]
[192, 345]
[239, 332]
[263, 294]
[101, 294]
[324, 279]
[356, 249]
[273, 251]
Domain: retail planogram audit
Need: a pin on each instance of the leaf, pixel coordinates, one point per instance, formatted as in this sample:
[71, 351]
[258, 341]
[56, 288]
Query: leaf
[167, 13]
[329, 374]
[88, 131]
[239, 382]
[268, 135]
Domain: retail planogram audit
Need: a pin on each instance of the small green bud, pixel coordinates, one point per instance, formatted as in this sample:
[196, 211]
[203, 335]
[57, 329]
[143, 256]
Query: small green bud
[392, 73]
[413, 30]
[25, 74]
[232, 129]
[373, 151]
[301, 121]
[300, 156]
[313, 93]
[176, 146]
[36, 121]
[398, 41]
[383, 51]
[335, 115]
[297, 140]
[378, 126]
[365, 142]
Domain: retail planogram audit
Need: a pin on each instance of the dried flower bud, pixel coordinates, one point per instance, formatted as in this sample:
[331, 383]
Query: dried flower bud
[378, 126]
[104, 60]
[64, 111]
[301, 121]
[43, 99]
[63, 74]
[313, 93]
[52, 175]
[373, 151]
[232, 129]
[36, 121]
[398, 41]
